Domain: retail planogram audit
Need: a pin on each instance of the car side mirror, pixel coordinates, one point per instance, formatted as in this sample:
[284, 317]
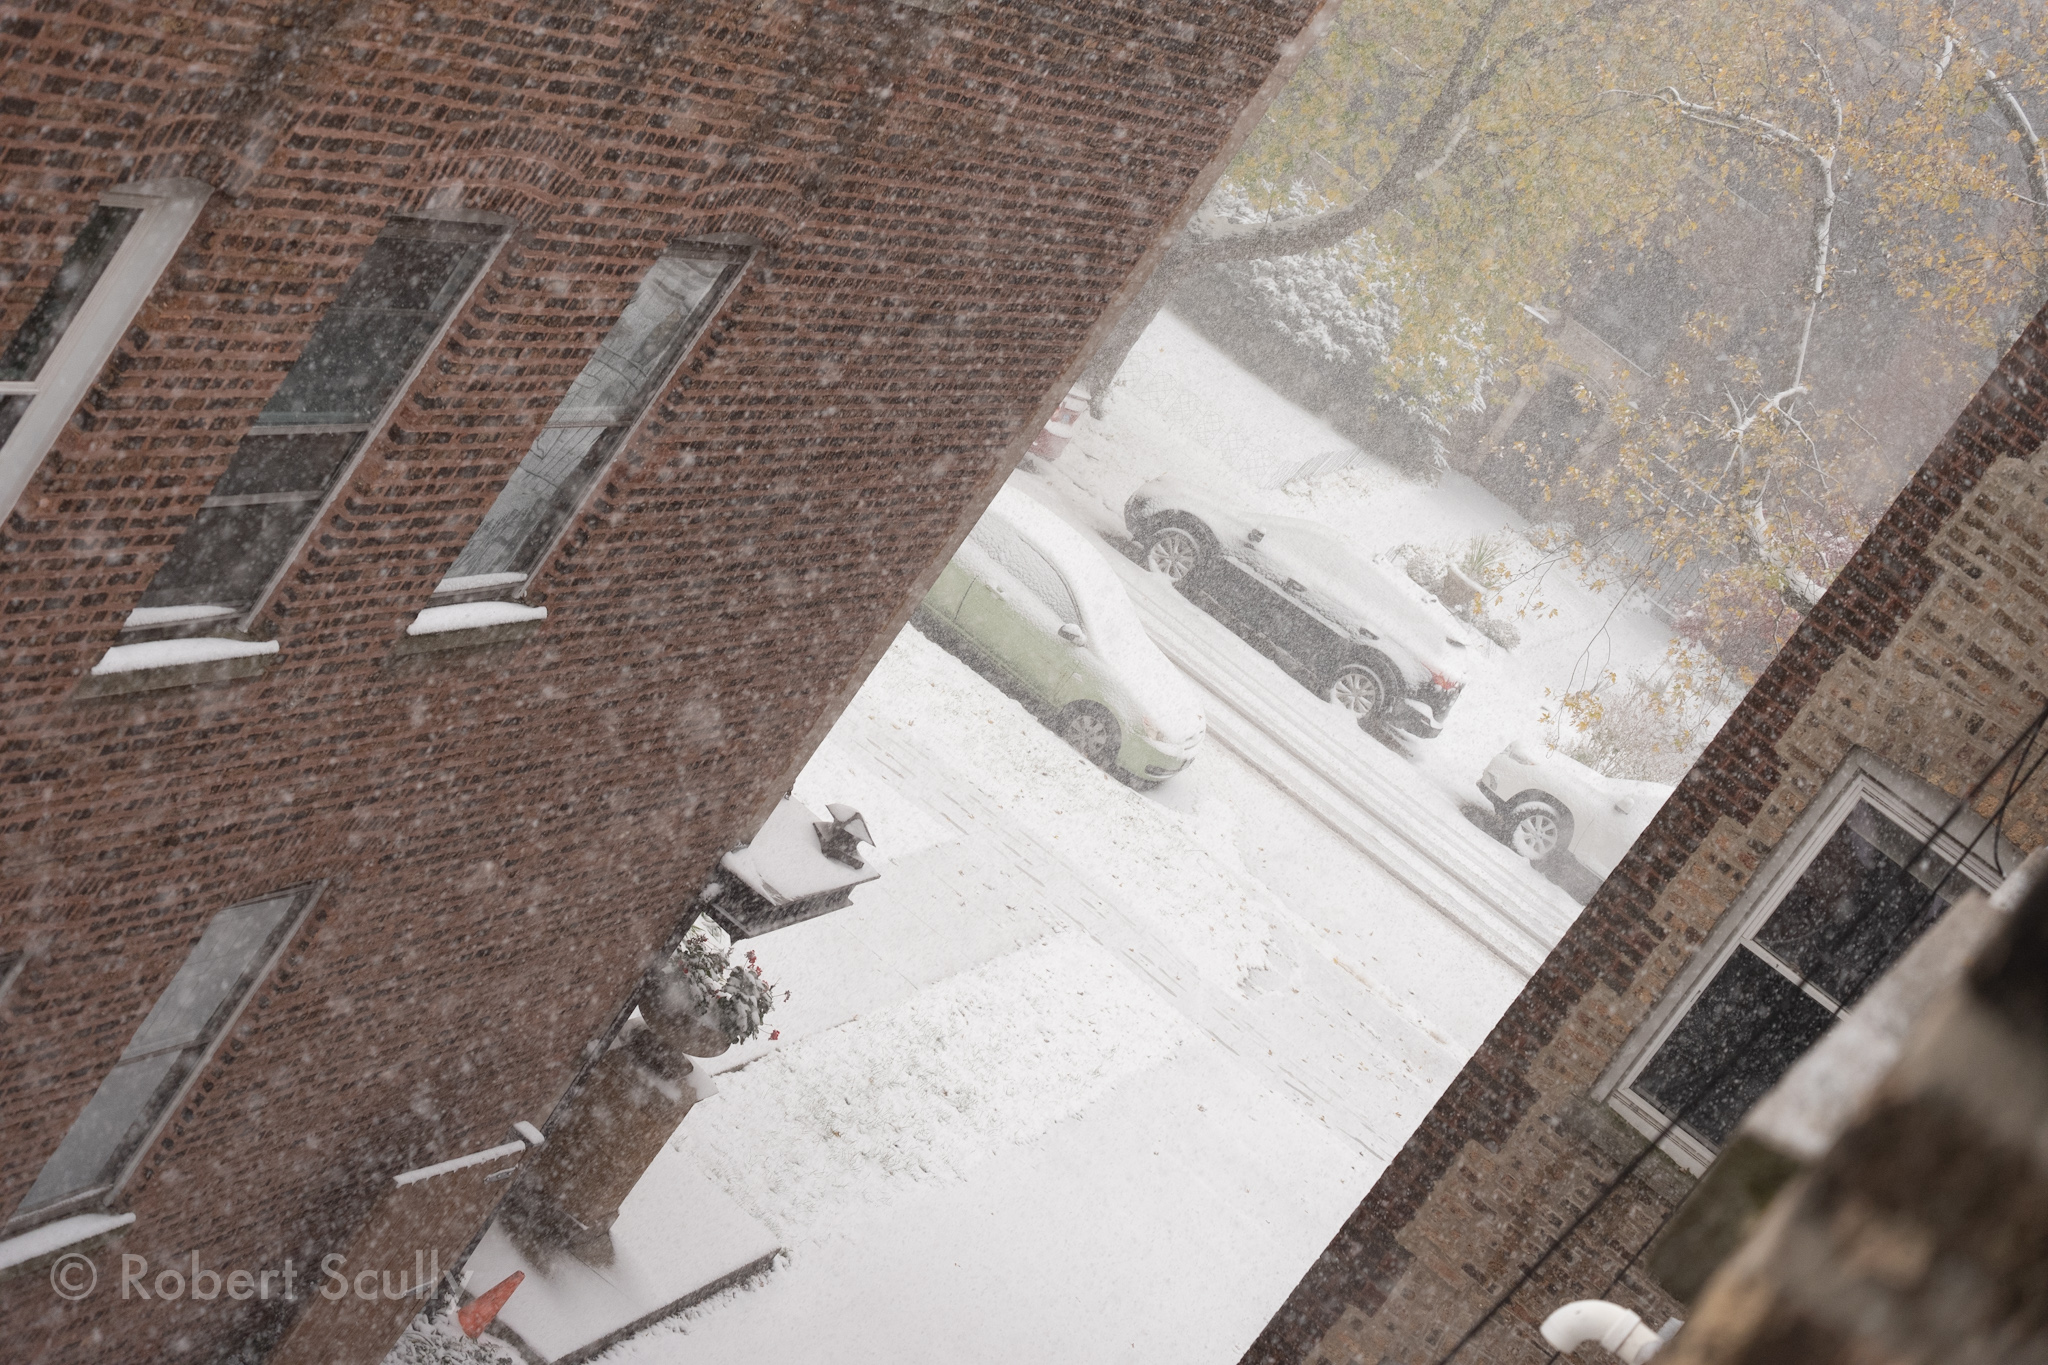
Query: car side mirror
[1625, 805]
[1073, 634]
[1255, 535]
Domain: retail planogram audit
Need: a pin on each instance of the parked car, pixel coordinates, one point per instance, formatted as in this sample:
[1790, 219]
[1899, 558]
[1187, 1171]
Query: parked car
[1356, 631]
[1545, 802]
[1035, 599]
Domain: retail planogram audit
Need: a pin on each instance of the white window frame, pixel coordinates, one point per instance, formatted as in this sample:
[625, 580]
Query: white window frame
[168, 210]
[204, 619]
[1915, 805]
[307, 894]
[744, 253]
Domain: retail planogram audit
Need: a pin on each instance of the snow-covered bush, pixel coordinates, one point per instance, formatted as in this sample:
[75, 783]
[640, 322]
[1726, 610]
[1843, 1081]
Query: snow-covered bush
[1461, 578]
[1650, 730]
[732, 999]
[1424, 566]
[1323, 328]
[1500, 630]
[1332, 306]
[437, 1341]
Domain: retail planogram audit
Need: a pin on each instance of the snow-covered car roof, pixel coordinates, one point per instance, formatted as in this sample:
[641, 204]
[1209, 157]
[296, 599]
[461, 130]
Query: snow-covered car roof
[1538, 754]
[1331, 568]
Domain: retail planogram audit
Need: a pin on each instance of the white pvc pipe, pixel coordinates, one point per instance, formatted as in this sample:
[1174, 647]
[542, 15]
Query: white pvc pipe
[1613, 1326]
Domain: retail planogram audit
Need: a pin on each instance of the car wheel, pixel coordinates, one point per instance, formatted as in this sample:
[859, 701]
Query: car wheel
[1536, 829]
[1174, 552]
[1359, 688]
[1093, 731]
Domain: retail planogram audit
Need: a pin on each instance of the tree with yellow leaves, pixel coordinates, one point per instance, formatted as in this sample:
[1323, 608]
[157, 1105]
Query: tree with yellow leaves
[1740, 453]
[1440, 122]
[1880, 155]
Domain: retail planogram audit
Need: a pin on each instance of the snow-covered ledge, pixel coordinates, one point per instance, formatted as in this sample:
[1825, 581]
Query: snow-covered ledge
[151, 664]
[466, 625]
[39, 1244]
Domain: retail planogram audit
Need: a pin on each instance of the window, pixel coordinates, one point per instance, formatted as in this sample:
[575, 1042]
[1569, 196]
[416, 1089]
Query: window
[1030, 568]
[630, 366]
[63, 343]
[176, 1038]
[342, 389]
[1849, 894]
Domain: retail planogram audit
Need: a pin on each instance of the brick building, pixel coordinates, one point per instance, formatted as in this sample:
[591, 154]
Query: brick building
[1785, 870]
[461, 457]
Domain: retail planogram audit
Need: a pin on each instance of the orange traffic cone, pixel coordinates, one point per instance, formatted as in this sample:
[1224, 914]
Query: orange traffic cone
[484, 1308]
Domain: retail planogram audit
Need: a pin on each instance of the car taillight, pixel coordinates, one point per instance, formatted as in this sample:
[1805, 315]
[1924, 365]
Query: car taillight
[1447, 684]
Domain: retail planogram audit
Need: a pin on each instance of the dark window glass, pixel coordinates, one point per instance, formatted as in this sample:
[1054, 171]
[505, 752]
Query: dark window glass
[620, 379]
[1862, 901]
[11, 409]
[84, 262]
[228, 554]
[173, 1039]
[305, 463]
[370, 337]
[1749, 1020]
[362, 349]
[1856, 909]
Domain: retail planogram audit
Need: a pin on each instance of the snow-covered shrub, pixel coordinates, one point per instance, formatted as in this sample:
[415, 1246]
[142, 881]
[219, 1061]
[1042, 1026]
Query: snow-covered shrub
[1461, 577]
[1650, 730]
[732, 999]
[1322, 328]
[1500, 630]
[1422, 564]
[1330, 306]
[437, 1341]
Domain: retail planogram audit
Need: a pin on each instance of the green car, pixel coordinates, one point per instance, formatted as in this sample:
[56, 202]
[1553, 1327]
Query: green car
[1039, 606]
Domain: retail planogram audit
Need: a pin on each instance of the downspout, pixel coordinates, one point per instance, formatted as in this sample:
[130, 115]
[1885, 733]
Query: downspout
[1618, 1329]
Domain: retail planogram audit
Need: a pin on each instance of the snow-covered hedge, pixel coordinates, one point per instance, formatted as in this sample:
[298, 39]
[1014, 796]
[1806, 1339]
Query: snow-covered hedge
[1321, 328]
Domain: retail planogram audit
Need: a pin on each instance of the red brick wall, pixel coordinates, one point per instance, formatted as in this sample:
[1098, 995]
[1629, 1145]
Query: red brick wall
[949, 203]
[1509, 1154]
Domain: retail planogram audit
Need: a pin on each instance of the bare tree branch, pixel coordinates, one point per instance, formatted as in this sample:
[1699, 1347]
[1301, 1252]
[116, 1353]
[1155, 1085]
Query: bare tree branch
[1422, 153]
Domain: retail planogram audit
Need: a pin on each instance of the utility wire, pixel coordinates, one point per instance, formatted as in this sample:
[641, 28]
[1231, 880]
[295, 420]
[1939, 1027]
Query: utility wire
[2023, 744]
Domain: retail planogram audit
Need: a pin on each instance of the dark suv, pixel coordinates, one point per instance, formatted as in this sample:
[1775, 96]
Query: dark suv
[1348, 628]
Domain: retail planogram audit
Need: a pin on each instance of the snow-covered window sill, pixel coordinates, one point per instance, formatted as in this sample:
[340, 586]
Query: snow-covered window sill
[31, 1249]
[470, 625]
[152, 664]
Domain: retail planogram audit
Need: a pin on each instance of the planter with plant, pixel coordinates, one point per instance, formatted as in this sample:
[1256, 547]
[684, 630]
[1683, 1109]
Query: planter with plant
[705, 1002]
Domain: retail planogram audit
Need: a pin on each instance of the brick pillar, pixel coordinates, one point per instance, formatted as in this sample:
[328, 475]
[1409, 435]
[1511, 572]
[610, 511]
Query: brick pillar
[632, 1102]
